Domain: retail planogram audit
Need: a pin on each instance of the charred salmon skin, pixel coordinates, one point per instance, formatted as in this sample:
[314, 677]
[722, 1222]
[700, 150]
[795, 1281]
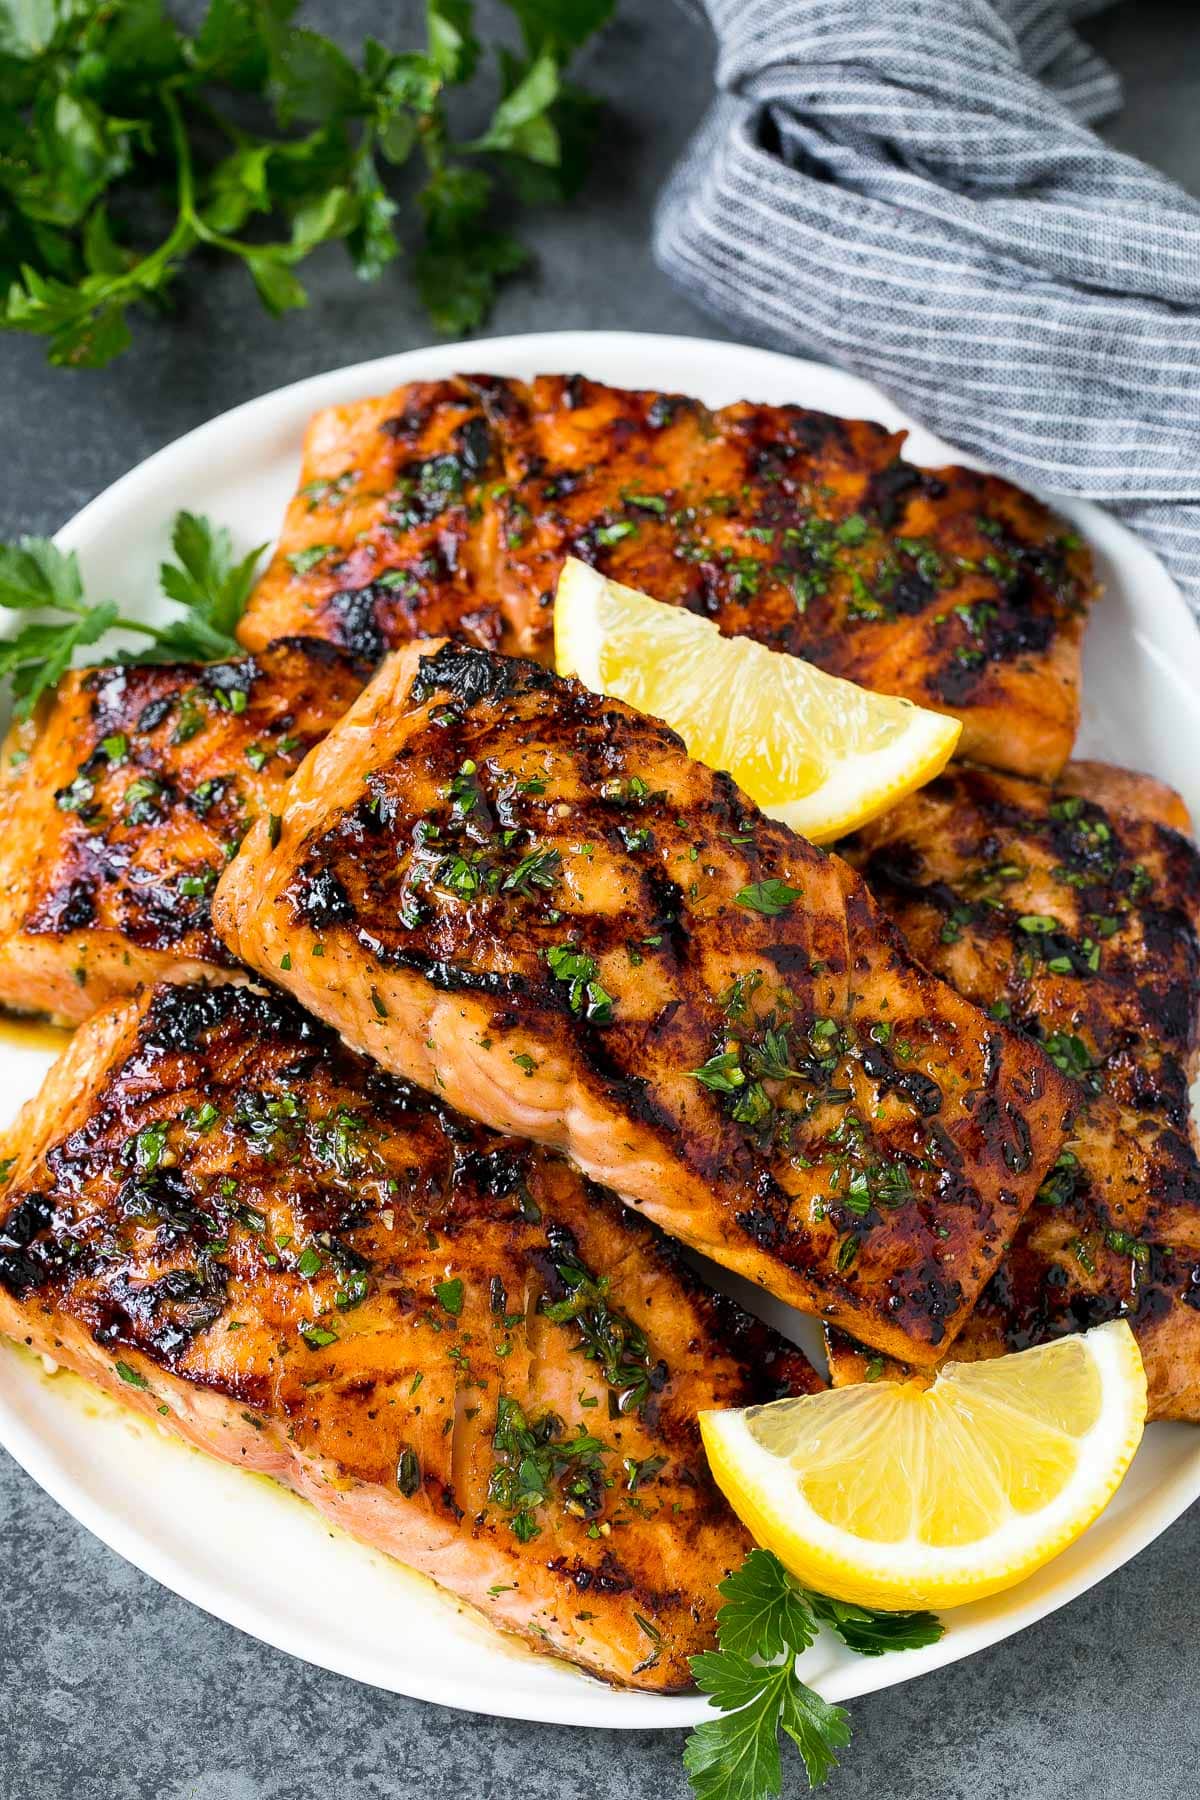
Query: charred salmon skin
[449, 1342]
[1073, 912]
[527, 899]
[449, 507]
[122, 800]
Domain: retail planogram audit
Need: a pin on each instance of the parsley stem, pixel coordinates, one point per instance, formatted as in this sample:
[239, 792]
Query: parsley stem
[120, 623]
[189, 219]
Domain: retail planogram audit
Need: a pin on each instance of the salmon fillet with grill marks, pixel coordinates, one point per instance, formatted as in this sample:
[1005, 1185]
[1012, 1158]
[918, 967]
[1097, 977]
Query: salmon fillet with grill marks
[450, 506]
[1077, 918]
[121, 801]
[530, 900]
[454, 1346]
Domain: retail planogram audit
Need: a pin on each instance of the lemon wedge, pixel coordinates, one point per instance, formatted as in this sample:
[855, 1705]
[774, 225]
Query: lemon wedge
[821, 754]
[896, 1495]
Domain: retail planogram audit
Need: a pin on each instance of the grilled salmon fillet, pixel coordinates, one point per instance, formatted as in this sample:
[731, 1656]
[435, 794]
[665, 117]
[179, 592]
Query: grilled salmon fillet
[528, 899]
[448, 1341]
[1074, 912]
[450, 506]
[123, 798]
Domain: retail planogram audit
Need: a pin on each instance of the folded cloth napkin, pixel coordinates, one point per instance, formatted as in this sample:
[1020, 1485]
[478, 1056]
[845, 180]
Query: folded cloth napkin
[910, 188]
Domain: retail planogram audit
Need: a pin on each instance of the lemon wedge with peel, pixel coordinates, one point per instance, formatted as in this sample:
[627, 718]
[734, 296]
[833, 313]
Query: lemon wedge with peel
[892, 1495]
[821, 754]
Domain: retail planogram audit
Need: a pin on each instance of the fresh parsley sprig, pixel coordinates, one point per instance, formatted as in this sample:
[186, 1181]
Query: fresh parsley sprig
[125, 149]
[207, 581]
[768, 1618]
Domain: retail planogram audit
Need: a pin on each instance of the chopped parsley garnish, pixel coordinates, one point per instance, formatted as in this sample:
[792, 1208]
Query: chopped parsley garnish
[1124, 1245]
[352, 1290]
[148, 1146]
[723, 1073]
[607, 1337]
[1083, 1255]
[194, 887]
[641, 1474]
[635, 837]
[538, 869]
[317, 1337]
[302, 561]
[578, 971]
[329, 490]
[612, 534]
[535, 1461]
[847, 1254]
[450, 1296]
[131, 1377]
[141, 800]
[770, 897]
[1070, 1055]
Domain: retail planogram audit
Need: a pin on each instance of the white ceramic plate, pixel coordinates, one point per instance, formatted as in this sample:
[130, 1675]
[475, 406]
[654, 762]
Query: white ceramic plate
[235, 1544]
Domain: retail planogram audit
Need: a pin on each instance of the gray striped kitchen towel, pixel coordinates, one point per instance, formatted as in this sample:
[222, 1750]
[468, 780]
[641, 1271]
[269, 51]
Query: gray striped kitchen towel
[910, 188]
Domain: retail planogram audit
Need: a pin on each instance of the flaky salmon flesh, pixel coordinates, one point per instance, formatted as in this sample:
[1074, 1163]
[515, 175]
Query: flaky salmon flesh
[527, 899]
[449, 507]
[1074, 912]
[122, 800]
[453, 1345]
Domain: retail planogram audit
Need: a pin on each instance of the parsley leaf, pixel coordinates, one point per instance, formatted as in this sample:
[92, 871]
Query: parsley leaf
[37, 577]
[765, 1611]
[767, 1619]
[767, 897]
[450, 1295]
[570, 965]
[874, 1633]
[207, 581]
[257, 118]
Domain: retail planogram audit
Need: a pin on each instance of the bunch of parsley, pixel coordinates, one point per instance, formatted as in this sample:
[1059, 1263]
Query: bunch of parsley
[768, 1618]
[124, 149]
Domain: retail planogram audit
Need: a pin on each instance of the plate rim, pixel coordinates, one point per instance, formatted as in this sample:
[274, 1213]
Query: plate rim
[278, 411]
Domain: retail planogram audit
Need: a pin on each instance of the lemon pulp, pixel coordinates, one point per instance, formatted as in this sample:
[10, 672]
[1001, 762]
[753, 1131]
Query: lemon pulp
[896, 1494]
[822, 754]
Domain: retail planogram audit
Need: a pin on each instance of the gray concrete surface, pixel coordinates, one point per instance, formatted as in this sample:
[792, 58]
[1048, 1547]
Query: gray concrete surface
[113, 1689]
